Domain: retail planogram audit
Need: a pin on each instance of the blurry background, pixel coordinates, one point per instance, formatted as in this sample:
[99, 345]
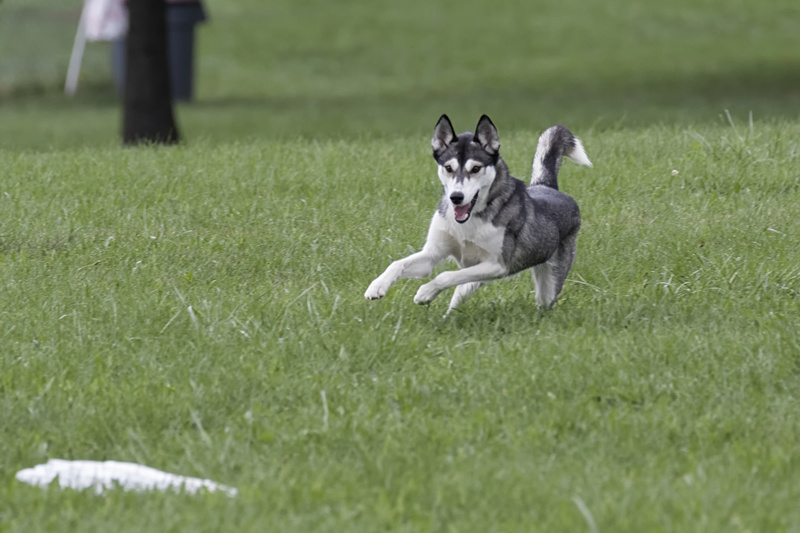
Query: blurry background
[321, 69]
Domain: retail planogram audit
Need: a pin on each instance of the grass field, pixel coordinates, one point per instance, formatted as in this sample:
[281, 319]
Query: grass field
[199, 309]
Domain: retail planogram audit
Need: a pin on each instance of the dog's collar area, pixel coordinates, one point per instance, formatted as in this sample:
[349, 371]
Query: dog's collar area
[463, 212]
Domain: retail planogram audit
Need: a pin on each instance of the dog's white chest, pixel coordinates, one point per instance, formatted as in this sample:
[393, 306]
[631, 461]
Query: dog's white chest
[474, 241]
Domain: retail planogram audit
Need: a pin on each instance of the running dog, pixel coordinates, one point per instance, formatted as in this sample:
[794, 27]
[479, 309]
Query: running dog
[491, 223]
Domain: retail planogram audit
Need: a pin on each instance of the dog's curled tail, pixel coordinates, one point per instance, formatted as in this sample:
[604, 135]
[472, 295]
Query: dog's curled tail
[555, 143]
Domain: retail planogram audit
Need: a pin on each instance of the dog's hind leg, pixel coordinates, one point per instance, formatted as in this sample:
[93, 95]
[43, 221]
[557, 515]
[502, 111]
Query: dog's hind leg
[549, 276]
[545, 282]
[463, 292]
[565, 257]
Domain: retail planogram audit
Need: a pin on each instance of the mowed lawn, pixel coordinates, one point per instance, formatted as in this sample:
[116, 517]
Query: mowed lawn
[199, 309]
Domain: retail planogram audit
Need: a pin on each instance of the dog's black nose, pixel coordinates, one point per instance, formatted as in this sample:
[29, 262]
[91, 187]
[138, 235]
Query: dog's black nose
[457, 198]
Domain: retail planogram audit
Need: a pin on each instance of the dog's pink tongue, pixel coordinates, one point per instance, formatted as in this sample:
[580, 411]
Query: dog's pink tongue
[462, 211]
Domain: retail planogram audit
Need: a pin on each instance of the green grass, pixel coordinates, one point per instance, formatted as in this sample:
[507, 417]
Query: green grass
[199, 309]
[186, 308]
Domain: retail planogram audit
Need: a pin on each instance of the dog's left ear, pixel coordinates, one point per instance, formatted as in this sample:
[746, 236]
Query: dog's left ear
[486, 135]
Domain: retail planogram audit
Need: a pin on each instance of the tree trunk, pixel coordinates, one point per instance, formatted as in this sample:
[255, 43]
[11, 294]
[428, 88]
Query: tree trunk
[148, 116]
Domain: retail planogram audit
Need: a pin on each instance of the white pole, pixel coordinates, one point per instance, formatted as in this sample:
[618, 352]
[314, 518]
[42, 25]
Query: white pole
[76, 58]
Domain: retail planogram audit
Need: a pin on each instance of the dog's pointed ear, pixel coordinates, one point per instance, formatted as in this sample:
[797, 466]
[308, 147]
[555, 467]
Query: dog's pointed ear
[443, 135]
[486, 135]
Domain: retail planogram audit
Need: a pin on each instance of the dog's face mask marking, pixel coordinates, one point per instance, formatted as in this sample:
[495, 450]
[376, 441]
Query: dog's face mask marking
[465, 184]
[466, 164]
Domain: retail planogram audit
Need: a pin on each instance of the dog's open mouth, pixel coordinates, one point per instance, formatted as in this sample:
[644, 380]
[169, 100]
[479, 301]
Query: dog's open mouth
[463, 211]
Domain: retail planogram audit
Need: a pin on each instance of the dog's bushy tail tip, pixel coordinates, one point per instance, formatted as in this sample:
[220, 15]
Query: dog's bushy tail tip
[578, 153]
[555, 143]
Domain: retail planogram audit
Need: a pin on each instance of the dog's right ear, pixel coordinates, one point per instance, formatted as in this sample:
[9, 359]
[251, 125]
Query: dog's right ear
[443, 135]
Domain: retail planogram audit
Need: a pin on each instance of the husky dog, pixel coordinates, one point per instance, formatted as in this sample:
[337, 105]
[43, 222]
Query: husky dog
[490, 222]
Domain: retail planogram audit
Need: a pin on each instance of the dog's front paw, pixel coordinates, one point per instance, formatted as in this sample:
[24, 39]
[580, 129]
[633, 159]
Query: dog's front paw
[426, 294]
[377, 289]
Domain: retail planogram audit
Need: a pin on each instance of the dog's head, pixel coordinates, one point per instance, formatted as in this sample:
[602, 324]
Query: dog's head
[467, 164]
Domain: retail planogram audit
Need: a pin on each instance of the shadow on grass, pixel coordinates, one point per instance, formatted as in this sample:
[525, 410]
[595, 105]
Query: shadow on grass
[769, 91]
[487, 316]
[97, 94]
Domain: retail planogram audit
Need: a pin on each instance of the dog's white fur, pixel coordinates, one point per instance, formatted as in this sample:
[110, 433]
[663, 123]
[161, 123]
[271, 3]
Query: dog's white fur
[476, 246]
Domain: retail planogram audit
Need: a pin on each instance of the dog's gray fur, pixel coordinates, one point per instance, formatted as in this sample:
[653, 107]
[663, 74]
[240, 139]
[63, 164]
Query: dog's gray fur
[513, 227]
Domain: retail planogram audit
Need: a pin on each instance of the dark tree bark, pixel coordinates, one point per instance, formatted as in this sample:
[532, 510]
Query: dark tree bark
[148, 115]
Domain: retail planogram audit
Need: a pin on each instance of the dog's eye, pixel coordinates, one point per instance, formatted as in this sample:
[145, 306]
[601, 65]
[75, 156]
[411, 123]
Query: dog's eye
[448, 168]
[476, 169]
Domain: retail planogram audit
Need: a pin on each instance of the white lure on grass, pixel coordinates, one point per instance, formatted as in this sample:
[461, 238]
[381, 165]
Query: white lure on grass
[80, 475]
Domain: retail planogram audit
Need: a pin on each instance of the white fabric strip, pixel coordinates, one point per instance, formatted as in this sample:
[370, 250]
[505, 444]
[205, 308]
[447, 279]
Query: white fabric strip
[98, 475]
